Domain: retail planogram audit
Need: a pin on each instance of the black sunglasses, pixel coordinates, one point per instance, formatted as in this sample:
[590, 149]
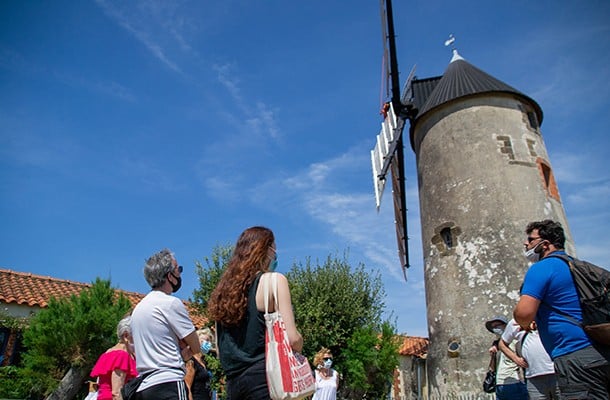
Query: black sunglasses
[530, 239]
[327, 358]
[180, 269]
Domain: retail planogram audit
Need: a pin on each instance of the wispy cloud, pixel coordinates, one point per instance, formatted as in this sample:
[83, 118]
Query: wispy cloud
[112, 89]
[580, 168]
[222, 190]
[136, 27]
[588, 195]
[584, 184]
[229, 80]
[349, 215]
[253, 121]
[261, 119]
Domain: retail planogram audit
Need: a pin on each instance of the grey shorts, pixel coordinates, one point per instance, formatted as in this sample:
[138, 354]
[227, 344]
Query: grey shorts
[543, 387]
[584, 374]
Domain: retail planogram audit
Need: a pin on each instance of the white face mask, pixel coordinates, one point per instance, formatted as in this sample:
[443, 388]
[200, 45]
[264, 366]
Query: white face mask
[532, 255]
[498, 331]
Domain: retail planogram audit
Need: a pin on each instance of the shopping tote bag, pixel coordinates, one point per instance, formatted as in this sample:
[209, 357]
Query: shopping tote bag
[288, 373]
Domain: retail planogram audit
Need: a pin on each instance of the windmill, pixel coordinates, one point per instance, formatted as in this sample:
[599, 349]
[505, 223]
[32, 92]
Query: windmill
[388, 153]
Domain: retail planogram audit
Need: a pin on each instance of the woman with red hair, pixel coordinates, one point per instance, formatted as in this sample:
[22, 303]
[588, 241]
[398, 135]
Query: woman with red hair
[237, 306]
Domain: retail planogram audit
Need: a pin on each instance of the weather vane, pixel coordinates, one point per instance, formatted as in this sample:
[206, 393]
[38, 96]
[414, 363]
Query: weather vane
[450, 41]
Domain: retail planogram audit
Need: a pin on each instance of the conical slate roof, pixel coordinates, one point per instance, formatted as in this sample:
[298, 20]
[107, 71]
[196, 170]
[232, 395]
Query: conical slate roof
[464, 79]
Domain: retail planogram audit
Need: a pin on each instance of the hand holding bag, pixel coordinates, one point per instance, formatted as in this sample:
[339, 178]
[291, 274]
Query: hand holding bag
[288, 373]
[489, 383]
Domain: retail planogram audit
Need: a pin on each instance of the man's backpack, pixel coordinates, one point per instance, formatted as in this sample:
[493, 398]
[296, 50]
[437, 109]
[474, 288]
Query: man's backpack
[593, 288]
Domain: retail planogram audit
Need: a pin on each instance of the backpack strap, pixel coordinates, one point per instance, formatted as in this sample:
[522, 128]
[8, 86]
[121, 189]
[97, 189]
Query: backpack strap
[568, 260]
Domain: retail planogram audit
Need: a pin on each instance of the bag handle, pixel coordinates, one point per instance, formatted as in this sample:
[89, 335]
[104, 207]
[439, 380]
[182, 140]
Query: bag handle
[492, 362]
[273, 277]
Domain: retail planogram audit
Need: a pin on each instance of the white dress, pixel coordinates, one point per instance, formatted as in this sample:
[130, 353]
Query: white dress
[326, 389]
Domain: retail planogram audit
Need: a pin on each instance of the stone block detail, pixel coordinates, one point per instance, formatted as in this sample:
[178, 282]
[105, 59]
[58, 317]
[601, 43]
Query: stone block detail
[506, 146]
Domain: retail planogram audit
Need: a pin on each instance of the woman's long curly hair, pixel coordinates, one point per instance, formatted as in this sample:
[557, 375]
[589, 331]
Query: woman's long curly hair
[228, 301]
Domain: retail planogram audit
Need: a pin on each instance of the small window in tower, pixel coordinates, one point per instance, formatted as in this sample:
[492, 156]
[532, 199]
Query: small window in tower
[549, 180]
[506, 146]
[546, 173]
[447, 237]
[531, 116]
[530, 146]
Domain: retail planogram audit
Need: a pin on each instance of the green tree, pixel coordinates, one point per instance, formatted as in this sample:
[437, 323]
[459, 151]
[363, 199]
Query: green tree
[210, 274]
[332, 300]
[65, 339]
[341, 307]
[370, 360]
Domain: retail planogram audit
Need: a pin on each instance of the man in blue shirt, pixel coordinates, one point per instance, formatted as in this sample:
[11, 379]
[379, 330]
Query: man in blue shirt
[583, 370]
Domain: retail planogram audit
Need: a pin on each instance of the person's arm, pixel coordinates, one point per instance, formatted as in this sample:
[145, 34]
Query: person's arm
[117, 380]
[192, 341]
[520, 361]
[285, 305]
[525, 311]
[494, 348]
[189, 376]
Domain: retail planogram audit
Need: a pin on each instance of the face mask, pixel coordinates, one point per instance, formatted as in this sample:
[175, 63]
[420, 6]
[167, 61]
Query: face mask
[273, 264]
[498, 331]
[206, 347]
[131, 348]
[175, 287]
[328, 363]
[532, 255]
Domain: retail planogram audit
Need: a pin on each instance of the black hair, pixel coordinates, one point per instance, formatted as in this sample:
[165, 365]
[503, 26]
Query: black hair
[548, 230]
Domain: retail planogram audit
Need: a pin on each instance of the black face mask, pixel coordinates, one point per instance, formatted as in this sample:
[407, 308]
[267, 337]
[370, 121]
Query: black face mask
[175, 287]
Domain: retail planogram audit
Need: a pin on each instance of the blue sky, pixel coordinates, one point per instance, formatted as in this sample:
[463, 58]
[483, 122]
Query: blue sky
[126, 127]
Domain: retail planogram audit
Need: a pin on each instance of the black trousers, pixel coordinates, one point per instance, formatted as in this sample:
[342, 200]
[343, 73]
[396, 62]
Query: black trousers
[175, 390]
[250, 385]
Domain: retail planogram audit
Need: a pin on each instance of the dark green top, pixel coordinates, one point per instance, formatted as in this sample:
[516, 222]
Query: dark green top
[244, 344]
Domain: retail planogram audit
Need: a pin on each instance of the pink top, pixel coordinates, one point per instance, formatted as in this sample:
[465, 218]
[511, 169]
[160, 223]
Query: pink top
[106, 364]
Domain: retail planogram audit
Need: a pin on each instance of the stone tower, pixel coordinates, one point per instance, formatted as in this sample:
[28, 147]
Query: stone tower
[483, 174]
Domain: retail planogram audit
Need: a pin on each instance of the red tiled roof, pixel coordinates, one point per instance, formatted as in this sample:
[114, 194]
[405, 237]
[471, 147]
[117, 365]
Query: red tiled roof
[414, 346]
[25, 288]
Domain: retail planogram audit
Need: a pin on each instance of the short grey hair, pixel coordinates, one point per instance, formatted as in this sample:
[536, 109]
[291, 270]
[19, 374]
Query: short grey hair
[157, 267]
[124, 327]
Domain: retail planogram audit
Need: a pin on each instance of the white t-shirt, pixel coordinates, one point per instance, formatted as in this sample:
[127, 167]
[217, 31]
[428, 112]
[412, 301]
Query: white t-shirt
[158, 323]
[532, 350]
[326, 389]
[507, 372]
